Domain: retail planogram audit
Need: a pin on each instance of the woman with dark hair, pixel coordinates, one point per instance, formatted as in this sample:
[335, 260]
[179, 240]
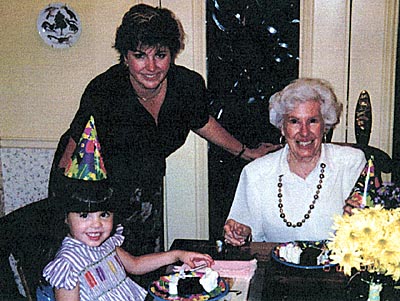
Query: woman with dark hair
[144, 108]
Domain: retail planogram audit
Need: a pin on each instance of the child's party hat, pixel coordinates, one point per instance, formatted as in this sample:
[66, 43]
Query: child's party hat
[87, 163]
[85, 187]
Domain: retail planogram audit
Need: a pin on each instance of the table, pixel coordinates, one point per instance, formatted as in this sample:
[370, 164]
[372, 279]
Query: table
[275, 281]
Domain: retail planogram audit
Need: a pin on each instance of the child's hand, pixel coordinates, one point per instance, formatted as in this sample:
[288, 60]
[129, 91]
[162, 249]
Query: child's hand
[194, 259]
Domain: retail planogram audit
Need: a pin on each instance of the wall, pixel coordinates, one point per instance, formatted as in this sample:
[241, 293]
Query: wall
[41, 89]
[41, 86]
[353, 45]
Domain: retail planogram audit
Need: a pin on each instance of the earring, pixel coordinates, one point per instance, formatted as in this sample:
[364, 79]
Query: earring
[282, 140]
[324, 138]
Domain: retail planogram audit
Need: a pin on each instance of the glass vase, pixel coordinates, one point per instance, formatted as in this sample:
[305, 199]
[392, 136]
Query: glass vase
[365, 286]
[374, 293]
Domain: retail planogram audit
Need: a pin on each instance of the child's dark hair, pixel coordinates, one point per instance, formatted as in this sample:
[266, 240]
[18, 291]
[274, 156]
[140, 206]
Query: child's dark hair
[87, 196]
[72, 195]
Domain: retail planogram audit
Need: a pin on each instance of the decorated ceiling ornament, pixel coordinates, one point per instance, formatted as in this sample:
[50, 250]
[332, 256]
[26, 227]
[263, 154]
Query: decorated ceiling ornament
[59, 25]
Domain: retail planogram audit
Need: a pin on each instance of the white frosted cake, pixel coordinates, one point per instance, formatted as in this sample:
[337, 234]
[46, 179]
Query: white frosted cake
[305, 254]
[291, 253]
[209, 280]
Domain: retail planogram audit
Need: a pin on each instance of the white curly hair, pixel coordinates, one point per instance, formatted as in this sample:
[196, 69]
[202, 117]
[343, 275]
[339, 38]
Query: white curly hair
[302, 90]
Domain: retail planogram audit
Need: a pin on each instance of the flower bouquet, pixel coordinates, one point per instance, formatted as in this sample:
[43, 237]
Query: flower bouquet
[368, 241]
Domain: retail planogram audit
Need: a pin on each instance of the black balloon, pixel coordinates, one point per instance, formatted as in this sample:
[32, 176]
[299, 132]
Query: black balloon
[252, 52]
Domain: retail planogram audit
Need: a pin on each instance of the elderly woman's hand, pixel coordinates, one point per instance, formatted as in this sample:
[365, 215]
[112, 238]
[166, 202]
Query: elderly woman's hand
[349, 205]
[236, 233]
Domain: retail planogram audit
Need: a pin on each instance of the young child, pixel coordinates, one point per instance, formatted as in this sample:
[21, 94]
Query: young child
[91, 265]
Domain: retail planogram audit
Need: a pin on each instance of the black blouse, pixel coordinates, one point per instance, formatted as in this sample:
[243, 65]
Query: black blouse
[133, 146]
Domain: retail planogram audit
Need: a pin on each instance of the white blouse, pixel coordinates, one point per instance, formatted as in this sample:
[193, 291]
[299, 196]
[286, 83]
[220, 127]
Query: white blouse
[256, 201]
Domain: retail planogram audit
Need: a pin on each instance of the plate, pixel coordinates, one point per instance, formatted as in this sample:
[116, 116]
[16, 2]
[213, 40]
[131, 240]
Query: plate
[159, 289]
[59, 25]
[302, 244]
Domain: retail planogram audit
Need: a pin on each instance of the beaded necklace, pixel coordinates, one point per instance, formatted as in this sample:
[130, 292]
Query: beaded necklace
[311, 206]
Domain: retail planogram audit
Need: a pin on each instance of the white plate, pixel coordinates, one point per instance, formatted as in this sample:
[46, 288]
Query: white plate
[59, 25]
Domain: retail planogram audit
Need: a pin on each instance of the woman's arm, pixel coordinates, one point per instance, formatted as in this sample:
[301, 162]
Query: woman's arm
[218, 135]
[140, 265]
[63, 294]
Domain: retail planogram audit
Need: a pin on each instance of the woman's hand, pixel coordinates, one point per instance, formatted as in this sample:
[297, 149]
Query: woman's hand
[350, 204]
[190, 258]
[261, 150]
[236, 233]
[218, 135]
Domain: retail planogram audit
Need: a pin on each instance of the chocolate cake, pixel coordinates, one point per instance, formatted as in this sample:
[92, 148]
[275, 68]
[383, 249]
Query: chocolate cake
[309, 256]
[189, 286]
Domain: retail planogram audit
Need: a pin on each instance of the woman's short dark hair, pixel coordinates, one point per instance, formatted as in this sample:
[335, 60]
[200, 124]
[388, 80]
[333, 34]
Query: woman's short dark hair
[147, 26]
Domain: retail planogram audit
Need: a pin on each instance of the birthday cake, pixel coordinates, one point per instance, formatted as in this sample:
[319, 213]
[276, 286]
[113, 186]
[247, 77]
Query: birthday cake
[303, 253]
[209, 281]
[290, 253]
[190, 286]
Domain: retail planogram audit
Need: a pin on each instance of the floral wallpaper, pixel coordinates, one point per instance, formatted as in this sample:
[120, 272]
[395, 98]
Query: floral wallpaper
[1, 190]
[24, 176]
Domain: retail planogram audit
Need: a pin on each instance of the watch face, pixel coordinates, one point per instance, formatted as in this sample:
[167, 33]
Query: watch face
[59, 25]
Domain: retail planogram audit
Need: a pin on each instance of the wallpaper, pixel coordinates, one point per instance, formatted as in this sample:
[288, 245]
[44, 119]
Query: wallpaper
[24, 176]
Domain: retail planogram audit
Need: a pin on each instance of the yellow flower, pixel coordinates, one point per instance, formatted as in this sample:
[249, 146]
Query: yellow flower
[347, 260]
[389, 257]
[394, 270]
[367, 240]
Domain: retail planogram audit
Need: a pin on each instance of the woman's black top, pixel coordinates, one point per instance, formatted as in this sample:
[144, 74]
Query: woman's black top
[133, 146]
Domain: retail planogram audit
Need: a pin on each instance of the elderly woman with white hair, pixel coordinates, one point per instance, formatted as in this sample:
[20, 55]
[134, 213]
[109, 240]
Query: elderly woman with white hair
[293, 193]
